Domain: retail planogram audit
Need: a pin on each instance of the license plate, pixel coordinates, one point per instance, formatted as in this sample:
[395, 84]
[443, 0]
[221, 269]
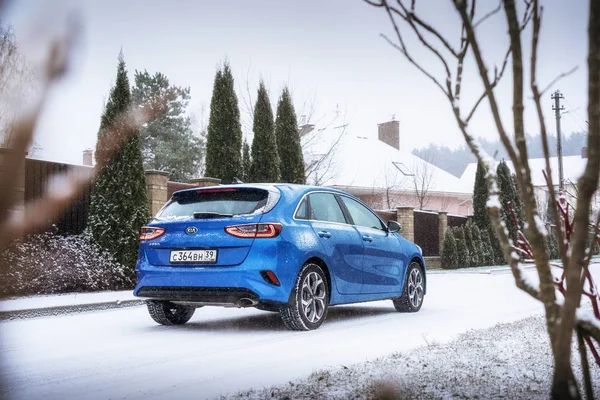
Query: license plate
[193, 256]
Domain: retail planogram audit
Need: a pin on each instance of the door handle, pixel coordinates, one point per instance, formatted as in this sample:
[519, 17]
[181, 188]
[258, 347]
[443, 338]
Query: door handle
[324, 234]
[367, 238]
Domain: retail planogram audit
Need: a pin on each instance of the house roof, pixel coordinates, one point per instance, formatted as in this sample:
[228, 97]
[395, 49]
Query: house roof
[366, 162]
[573, 167]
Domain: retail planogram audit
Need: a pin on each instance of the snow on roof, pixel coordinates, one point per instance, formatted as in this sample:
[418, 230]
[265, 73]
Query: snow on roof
[573, 167]
[366, 162]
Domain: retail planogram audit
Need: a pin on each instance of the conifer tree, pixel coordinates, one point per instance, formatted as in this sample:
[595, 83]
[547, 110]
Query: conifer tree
[481, 217]
[246, 162]
[508, 197]
[449, 256]
[119, 204]
[474, 260]
[224, 137]
[478, 245]
[288, 141]
[480, 198]
[463, 256]
[265, 158]
[486, 246]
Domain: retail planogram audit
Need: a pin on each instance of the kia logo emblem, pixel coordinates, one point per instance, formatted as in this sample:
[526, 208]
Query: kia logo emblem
[190, 230]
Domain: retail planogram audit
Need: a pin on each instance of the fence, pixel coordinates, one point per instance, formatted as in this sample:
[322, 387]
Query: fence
[427, 232]
[37, 176]
[456, 220]
[425, 228]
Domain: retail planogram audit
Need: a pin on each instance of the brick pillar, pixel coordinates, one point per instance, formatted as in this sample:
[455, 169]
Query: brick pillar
[204, 182]
[443, 227]
[406, 216]
[156, 185]
[18, 189]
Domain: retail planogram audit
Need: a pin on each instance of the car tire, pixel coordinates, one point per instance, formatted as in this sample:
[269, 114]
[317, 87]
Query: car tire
[309, 300]
[413, 291]
[167, 313]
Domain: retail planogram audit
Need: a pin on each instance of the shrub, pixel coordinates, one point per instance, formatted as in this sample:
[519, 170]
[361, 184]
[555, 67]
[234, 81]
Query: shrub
[463, 256]
[449, 256]
[48, 263]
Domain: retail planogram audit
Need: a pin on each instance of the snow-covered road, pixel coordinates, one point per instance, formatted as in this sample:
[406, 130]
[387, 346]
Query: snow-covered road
[122, 353]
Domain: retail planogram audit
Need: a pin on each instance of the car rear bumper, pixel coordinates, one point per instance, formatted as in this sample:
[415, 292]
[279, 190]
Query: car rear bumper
[201, 295]
[208, 285]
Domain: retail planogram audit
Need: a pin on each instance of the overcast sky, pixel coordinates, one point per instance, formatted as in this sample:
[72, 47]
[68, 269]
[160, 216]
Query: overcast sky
[327, 49]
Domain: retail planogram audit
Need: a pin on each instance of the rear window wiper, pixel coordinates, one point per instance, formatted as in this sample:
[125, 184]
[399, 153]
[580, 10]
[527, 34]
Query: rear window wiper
[208, 215]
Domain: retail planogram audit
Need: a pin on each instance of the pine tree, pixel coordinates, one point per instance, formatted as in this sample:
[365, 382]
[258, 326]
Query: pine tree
[478, 245]
[168, 141]
[119, 204]
[449, 256]
[508, 197]
[486, 246]
[224, 138]
[474, 260]
[549, 212]
[481, 217]
[265, 158]
[518, 204]
[509, 194]
[288, 141]
[246, 162]
[463, 256]
[480, 198]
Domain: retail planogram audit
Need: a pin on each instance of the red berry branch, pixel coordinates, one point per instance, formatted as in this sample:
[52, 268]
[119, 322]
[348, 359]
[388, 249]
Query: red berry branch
[566, 228]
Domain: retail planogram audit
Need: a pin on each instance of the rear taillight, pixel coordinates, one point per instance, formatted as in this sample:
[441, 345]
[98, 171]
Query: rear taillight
[149, 233]
[269, 230]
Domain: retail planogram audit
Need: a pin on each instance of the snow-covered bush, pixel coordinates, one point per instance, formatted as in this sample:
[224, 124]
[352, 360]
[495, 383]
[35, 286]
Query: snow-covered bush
[48, 263]
[449, 257]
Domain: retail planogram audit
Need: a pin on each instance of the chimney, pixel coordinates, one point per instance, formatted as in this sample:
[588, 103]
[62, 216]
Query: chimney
[389, 133]
[584, 153]
[88, 157]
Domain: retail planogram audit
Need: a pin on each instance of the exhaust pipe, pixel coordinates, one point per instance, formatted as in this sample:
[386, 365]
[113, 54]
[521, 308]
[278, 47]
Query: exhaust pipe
[246, 302]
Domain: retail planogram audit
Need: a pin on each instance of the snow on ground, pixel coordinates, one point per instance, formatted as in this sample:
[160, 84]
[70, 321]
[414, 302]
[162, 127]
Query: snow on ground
[122, 353]
[64, 300]
[510, 361]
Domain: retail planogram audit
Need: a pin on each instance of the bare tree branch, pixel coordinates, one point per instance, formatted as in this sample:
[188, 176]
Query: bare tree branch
[488, 15]
[558, 78]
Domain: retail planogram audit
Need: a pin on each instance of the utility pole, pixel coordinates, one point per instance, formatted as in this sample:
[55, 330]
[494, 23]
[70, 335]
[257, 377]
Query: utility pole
[556, 96]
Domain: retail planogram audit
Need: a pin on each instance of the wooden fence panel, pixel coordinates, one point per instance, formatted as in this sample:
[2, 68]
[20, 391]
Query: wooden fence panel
[427, 232]
[37, 175]
[456, 220]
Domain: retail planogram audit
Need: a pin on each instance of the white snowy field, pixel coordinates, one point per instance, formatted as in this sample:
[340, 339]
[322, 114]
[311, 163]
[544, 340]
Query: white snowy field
[122, 353]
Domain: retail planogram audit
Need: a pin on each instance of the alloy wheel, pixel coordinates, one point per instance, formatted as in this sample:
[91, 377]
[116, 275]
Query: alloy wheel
[313, 297]
[415, 287]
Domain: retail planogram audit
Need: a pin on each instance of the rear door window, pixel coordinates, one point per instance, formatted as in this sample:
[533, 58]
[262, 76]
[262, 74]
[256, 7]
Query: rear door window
[302, 212]
[361, 215]
[324, 207]
[227, 201]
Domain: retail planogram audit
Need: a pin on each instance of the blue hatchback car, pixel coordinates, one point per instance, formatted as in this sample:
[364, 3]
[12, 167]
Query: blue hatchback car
[292, 249]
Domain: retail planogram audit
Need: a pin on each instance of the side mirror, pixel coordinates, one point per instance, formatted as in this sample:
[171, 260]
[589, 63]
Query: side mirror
[394, 226]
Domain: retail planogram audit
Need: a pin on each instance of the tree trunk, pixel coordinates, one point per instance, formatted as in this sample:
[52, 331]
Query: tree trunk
[564, 385]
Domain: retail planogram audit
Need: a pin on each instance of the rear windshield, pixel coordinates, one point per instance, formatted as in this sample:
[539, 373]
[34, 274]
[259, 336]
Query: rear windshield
[227, 201]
